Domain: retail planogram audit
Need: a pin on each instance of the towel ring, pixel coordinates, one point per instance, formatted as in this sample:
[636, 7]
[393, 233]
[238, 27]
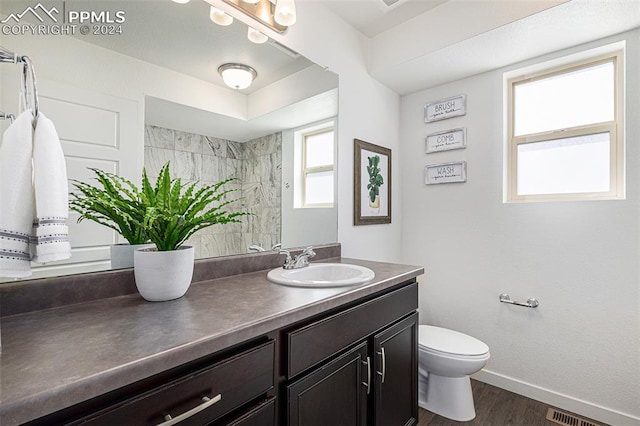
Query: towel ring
[29, 75]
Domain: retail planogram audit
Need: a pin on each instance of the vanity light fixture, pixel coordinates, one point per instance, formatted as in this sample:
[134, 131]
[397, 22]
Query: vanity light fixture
[219, 17]
[256, 36]
[277, 15]
[237, 76]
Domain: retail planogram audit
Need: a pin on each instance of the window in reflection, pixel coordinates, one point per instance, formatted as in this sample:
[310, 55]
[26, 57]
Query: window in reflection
[315, 148]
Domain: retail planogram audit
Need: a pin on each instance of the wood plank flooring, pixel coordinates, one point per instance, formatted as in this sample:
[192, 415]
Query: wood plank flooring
[496, 407]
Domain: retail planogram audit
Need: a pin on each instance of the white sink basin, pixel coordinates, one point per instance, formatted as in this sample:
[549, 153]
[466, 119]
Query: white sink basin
[322, 275]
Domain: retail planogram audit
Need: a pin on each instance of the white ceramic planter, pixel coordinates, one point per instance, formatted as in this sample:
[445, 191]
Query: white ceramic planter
[122, 254]
[163, 275]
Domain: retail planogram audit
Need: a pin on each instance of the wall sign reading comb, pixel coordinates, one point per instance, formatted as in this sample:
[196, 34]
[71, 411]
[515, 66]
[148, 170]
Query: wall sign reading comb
[446, 141]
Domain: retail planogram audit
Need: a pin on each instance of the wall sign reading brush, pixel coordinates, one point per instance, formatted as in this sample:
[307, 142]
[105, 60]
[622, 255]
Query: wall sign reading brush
[445, 108]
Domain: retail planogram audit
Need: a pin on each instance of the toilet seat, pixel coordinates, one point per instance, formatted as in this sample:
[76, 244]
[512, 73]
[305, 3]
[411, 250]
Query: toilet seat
[450, 343]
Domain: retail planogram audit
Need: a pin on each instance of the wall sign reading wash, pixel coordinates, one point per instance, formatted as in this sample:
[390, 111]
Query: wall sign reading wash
[445, 173]
[445, 108]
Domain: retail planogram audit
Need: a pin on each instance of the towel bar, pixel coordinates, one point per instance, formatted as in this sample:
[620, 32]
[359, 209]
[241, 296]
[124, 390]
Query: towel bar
[530, 303]
[5, 116]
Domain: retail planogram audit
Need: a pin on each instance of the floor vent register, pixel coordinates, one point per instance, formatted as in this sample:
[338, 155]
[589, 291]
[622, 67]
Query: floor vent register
[566, 419]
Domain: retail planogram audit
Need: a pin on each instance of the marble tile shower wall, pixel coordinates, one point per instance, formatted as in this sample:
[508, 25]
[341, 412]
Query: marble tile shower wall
[261, 190]
[257, 164]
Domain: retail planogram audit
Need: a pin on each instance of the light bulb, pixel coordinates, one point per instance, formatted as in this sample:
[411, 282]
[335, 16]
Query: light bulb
[219, 17]
[256, 36]
[285, 13]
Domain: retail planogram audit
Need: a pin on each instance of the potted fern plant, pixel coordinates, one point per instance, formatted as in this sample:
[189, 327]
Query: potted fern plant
[173, 212]
[115, 203]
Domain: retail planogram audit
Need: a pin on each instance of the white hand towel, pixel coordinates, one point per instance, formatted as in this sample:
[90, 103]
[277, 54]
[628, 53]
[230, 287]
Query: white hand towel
[50, 238]
[16, 197]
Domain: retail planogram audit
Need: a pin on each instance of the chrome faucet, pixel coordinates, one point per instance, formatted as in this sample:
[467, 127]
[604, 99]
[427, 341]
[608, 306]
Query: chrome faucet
[300, 261]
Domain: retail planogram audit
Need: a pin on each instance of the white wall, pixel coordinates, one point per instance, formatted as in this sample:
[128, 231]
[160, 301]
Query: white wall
[580, 349]
[367, 110]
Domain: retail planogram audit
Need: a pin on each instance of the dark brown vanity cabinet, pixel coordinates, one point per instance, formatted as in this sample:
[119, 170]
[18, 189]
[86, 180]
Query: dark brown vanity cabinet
[352, 366]
[357, 367]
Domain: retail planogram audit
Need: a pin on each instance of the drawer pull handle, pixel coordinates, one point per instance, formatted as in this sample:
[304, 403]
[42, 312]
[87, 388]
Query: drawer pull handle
[206, 403]
[368, 382]
[384, 365]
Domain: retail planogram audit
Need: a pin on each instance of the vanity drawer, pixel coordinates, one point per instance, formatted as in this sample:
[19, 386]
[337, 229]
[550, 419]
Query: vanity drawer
[264, 414]
[318, 341]
[236, 380]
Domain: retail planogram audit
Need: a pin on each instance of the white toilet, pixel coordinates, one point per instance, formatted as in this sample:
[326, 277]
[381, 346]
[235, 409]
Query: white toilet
[446, 359]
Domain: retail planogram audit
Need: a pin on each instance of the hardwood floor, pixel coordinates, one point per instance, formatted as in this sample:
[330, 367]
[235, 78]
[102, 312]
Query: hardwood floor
[496, 407]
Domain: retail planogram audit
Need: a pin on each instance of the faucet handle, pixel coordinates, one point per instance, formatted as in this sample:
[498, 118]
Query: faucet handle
[308, 252]
[287, 260]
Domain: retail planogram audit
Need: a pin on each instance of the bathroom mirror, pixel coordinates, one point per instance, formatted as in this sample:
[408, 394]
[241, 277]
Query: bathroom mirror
[159, 76]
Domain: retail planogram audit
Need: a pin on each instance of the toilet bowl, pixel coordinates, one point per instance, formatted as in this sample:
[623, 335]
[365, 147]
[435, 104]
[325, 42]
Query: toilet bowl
[446, 359]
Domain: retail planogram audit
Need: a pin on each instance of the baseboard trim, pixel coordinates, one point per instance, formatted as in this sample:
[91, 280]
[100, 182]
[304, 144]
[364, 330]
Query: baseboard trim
[565, 402]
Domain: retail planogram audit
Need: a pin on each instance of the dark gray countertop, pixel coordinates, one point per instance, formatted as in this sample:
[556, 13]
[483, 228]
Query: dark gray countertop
[56, 358]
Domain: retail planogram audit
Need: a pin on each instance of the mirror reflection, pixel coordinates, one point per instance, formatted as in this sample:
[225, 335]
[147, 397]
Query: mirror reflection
[153, 94]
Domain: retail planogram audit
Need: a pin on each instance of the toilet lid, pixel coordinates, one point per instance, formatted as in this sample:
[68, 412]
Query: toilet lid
[449, 341]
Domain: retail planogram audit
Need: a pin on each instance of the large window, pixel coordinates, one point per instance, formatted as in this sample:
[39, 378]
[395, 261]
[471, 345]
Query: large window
[564, 132]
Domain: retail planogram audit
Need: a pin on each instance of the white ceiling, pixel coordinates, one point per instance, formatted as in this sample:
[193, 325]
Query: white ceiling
[463, 38]
[372, 17]
[181, 37]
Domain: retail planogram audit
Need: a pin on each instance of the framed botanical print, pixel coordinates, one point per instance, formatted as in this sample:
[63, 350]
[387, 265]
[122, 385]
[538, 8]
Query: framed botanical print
[372, 184]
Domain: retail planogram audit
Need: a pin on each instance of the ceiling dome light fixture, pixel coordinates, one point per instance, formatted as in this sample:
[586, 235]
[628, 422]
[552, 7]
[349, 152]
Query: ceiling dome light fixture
[181, 1]
[285, 13]
[256, 36]
[251, 1]
[237, 76]
[219, 17]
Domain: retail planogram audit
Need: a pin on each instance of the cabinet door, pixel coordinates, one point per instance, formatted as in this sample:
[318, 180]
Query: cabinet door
[396, 374]
[334, 394]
